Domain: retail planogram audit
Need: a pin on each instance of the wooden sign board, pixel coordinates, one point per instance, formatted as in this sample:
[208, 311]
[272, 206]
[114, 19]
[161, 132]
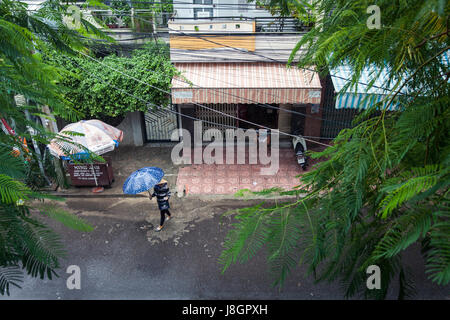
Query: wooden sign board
[91, 174]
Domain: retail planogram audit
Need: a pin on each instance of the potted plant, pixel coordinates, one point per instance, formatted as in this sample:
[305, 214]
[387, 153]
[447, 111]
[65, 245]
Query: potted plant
[111, 22]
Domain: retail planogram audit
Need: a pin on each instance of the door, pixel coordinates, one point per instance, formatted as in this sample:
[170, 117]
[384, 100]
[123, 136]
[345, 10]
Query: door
[159, 124]
[217, 119]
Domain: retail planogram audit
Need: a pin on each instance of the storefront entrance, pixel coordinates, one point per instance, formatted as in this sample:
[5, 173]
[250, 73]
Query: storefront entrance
[261, 115]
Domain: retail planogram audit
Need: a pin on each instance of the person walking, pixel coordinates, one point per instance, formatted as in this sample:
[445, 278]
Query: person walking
[162, 193]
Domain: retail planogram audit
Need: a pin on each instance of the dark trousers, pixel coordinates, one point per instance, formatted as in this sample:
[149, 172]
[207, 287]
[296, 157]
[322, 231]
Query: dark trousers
[163, 216]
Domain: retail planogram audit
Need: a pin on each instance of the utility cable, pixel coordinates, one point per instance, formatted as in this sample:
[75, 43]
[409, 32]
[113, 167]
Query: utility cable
[200, 105]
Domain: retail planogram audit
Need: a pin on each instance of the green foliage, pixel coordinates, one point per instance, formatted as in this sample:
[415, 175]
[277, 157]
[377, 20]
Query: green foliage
[157, 6]
[69, 220]
[26, 244]
[384, 184]
[93, 88]
[122, 10]
[288, 8]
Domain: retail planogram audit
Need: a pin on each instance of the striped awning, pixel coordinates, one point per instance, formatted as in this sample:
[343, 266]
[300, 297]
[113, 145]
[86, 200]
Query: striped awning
[246, 83]
[361, 97]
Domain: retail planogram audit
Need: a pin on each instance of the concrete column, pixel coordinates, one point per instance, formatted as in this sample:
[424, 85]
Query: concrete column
[137, 130]
[313, 125]
[284, 120]
[133, 129]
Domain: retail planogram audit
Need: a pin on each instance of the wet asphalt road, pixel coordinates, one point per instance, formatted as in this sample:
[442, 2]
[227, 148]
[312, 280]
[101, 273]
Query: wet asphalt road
[124, 259]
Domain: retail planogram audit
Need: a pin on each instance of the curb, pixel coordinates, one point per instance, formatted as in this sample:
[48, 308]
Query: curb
[209, 197]
[117, 195]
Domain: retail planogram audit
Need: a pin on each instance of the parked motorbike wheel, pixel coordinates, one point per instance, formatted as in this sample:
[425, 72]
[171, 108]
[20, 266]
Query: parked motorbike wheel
[299, 145]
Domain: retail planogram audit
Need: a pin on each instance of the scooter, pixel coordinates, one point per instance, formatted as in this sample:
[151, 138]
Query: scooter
[299, 144]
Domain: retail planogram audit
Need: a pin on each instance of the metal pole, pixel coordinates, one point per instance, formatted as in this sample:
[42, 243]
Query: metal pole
[21, 101]
[57, 162]
[93, 172]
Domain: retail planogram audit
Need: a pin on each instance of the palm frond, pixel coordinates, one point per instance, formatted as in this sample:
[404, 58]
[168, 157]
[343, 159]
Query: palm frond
[66, 218]
[10, 276]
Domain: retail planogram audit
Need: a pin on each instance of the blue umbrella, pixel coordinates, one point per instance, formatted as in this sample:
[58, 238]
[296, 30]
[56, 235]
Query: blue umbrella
[142, 180]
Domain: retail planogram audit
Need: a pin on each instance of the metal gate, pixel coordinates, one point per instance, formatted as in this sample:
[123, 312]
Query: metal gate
[159, 124]
[214, 120]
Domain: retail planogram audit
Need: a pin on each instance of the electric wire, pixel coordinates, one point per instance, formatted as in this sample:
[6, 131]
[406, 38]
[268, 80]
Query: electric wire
[250, 52]
[265, 105]
[200, 105]
[262, 56]
[159, 107]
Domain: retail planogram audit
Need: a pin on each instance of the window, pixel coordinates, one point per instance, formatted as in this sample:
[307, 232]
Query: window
[203, 13]
[242, 5]
[202, 1]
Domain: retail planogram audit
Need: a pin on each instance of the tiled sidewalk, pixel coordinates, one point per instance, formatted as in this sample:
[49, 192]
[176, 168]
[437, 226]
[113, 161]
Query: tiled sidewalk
[229, 178]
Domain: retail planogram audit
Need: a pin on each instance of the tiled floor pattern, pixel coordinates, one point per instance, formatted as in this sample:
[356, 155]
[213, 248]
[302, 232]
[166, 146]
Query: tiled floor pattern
[229, 178]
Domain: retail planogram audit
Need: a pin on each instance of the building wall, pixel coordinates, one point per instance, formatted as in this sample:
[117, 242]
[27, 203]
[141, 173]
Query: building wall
[133, 129]
[219, 8]
[229, 47]
[203, 36]
[213, 26]
[204, 42]
[313, 124]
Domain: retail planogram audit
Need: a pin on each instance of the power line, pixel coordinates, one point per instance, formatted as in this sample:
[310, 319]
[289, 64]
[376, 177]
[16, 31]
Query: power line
[200, 105]
[170, 110]
[110, 12]
[259, 55]
[182, 5]
[271, 107]
[180, 2]
[269, 58]
[152, 104]
[187, 3]
[268, 106]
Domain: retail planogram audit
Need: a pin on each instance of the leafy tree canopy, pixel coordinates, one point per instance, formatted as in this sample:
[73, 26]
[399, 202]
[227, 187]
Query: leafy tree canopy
[384, 184]
[96, 90]
[26, 243]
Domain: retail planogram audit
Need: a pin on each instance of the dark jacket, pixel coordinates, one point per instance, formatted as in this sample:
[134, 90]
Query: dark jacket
[161, 191]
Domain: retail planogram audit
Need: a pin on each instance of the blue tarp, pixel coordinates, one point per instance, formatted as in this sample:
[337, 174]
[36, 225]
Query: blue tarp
[361, 96]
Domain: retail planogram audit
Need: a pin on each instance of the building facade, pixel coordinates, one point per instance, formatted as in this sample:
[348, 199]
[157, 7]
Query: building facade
[232, 74]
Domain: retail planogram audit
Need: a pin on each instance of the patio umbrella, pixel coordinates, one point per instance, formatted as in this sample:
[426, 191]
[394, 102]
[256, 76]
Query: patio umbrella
[142, 180]
[98, 138]
[113, 132]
